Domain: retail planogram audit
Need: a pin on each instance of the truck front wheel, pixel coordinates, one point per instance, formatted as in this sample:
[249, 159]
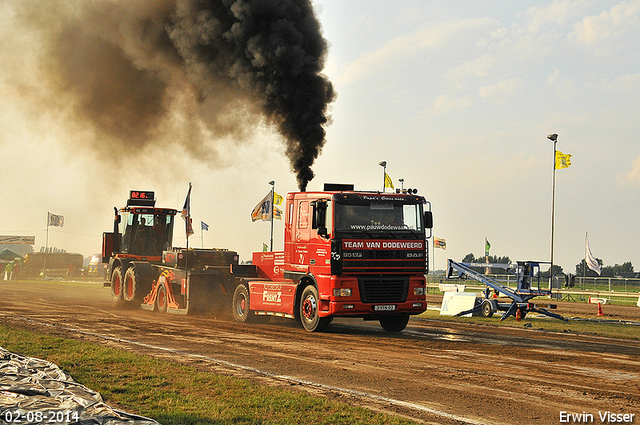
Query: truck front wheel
[395, 323]
[309, 317]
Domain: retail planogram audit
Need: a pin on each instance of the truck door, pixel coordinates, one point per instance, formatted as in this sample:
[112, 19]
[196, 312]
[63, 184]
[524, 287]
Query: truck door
[302, 229]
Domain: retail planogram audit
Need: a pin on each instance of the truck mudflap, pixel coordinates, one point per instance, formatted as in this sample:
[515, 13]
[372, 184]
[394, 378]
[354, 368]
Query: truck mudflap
[178, 292]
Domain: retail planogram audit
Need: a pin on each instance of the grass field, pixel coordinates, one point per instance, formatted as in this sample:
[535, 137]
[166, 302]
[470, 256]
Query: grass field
[177, 394]
[605, 328]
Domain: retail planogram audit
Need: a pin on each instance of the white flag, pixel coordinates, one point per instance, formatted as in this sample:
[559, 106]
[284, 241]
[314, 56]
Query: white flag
[55, 220]
[592, 263]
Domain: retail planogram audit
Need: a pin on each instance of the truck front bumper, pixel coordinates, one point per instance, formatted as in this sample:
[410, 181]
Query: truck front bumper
[359, 309]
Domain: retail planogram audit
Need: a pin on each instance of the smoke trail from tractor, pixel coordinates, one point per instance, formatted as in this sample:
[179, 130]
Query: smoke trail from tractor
[128, 67]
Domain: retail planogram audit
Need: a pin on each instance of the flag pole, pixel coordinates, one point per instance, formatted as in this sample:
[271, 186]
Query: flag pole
[46, 247]
[554, 139]
[273, 188]
[584, 266]
[383, 164]
[433, 253]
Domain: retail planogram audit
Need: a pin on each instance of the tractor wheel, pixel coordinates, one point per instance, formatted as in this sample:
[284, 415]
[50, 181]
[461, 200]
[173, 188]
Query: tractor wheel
[487, 308]
[161, 298]
[395, 323]
[136, 285]
[309, 304]
[116, 287]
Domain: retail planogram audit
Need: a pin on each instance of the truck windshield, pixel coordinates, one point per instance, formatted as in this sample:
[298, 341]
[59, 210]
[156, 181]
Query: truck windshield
[378, 216]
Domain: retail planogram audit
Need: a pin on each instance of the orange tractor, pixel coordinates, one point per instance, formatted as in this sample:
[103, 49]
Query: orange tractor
[146, 270]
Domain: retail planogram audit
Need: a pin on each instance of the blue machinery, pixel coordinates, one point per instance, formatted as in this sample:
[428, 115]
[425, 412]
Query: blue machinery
[527, 273]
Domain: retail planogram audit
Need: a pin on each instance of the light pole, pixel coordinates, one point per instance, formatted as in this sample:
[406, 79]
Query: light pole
[383, 164]
[554, 138]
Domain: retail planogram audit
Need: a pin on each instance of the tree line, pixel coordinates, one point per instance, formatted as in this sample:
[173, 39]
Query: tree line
[580, 269]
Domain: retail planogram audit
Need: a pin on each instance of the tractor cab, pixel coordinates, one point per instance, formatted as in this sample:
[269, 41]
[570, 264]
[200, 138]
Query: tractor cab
[145, 231]
[140, 230]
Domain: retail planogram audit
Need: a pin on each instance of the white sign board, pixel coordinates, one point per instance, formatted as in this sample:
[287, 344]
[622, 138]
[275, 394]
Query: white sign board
[17, 240]
[455, 302]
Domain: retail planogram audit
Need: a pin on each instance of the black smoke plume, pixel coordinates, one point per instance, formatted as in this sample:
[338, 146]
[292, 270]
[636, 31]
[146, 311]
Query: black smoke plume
[126, 66]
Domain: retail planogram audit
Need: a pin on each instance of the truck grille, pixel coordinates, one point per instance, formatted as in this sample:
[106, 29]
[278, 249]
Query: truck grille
[381, 290]
[391, 261]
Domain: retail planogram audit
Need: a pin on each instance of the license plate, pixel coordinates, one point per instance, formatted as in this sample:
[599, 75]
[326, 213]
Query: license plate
[391, 307]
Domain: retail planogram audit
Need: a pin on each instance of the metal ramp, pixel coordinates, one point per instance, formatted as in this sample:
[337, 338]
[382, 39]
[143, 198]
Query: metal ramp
[527, 275]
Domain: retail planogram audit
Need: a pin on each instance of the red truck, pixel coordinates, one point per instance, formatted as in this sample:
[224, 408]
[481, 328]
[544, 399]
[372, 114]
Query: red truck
[346, 254]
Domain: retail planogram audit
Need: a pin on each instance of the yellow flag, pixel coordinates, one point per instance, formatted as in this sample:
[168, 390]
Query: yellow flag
[439, 243]
[562, 160]
[277, 199]
[387, 181]
[277, 213]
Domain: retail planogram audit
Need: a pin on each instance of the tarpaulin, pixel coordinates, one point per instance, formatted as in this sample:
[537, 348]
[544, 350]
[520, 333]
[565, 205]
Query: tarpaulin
[34, 391]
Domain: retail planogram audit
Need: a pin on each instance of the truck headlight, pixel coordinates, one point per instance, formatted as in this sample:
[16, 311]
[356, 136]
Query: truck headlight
[418, 290]
[341, 292]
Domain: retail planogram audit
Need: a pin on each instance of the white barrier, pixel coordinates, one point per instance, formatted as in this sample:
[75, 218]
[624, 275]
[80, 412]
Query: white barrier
[455, 302]
[594, 300]
[451, 287]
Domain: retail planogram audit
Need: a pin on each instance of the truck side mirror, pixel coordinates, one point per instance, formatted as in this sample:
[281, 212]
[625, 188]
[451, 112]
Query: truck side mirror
[428, 220]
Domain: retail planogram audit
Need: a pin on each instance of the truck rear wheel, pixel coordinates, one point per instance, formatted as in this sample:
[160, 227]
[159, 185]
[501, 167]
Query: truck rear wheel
[240, 305]
[116, 287]
[395, 323]
[309, 304]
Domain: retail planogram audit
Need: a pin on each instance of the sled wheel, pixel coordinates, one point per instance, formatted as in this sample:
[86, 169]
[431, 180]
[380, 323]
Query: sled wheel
[395, 323]
[161, 298]
[309, 304]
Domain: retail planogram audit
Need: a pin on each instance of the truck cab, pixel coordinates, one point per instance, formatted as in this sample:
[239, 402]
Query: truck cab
[346, 253]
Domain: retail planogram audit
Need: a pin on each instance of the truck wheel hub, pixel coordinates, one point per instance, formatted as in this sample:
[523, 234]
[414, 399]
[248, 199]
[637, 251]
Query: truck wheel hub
[309, 308]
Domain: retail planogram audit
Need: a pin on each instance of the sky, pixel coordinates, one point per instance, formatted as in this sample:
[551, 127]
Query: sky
[457, 97]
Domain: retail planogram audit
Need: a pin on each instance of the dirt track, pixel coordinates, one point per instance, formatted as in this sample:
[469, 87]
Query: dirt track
[436, 372]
